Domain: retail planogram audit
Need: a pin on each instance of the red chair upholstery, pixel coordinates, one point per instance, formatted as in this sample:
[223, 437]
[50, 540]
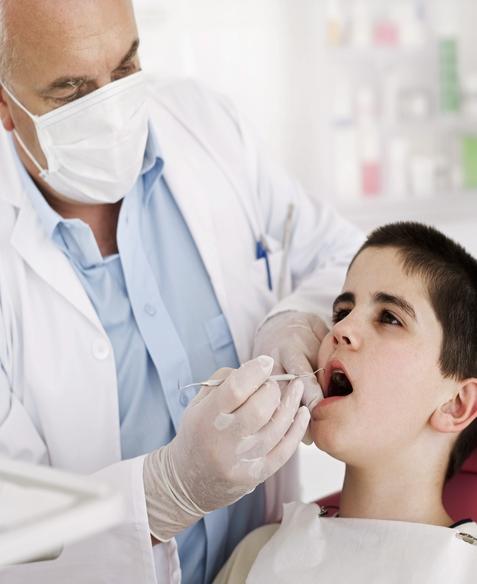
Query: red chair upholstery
[460, 493]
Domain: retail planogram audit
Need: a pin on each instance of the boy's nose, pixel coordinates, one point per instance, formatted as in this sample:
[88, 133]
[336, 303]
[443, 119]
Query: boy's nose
[344, 334]
[342, 339]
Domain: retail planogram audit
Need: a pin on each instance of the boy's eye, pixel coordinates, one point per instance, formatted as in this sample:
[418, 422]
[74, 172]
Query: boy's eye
[340, 314]
[389, 318]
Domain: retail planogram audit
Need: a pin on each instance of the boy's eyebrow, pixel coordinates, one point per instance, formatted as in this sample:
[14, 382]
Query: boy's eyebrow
[344, 297]
[379, 298]
[385, 298]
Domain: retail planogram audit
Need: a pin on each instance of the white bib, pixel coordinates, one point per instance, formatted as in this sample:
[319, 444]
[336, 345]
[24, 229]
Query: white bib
[310, 549]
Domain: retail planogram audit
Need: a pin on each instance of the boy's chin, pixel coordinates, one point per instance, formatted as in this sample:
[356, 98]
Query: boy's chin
[328, 442]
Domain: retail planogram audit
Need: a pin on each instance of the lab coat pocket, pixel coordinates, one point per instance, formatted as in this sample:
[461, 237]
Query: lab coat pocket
[278, 282]
[220, 340]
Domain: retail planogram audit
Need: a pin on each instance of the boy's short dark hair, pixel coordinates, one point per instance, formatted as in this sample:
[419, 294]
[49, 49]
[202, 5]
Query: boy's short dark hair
[450, 273]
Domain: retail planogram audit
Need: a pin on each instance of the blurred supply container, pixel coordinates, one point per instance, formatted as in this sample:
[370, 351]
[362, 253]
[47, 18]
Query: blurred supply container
[385, 30]
[449, 75]
[446, 24]
[345, 149]
[411, 18]
[369, 141]
[414, 104]
[361, 24]
[398, 164]
[422, 176]
[337, 23]
[469, 161]
[469, 95]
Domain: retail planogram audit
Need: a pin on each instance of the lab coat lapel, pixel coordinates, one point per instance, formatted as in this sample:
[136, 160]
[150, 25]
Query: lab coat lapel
[31, 242]
[191, 175]
[29, 239]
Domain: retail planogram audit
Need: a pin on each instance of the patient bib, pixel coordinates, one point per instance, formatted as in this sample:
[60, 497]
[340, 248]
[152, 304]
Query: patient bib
[310, 549]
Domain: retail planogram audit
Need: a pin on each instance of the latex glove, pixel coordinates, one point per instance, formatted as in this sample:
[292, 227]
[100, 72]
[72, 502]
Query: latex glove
[293, 339]
[231, 439]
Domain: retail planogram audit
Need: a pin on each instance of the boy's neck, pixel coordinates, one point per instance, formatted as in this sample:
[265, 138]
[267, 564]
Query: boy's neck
[391, 493]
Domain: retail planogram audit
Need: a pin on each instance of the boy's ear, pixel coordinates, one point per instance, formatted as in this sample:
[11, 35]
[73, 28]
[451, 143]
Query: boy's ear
[456, 414]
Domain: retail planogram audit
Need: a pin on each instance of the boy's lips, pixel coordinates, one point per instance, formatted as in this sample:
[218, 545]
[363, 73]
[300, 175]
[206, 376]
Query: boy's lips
[330, 389]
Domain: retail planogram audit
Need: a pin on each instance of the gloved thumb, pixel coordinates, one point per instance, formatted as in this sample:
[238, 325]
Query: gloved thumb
[221, 374]
[312, 394]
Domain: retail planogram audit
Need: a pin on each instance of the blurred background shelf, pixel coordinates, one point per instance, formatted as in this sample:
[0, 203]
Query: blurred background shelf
[401, 109]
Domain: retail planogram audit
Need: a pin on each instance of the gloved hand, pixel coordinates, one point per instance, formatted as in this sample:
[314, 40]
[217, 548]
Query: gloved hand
[231, 439]
[293, 338]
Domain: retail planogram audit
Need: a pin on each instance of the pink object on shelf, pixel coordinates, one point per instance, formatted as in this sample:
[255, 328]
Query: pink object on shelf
[371, 179]
[386, 34]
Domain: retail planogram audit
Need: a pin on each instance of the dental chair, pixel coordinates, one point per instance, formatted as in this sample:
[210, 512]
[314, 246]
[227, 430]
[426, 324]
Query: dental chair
[460, 493]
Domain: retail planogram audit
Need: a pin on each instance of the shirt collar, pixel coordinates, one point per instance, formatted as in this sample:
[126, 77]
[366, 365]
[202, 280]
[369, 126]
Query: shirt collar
[48, 217]
[152, 168]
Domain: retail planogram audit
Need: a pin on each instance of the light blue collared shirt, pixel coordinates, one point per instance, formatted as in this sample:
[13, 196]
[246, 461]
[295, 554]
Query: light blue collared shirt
[156, 302]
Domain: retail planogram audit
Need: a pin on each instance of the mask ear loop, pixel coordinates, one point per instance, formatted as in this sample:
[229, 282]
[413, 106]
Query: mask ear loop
[43, 172]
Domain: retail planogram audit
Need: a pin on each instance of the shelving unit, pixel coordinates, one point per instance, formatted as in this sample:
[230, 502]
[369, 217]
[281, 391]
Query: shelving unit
[402, 126]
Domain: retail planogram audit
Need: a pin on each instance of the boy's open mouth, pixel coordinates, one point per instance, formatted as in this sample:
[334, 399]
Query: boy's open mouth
[338, 384]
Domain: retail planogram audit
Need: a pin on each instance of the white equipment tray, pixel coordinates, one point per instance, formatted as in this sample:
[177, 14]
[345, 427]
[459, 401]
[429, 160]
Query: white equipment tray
[42, 509]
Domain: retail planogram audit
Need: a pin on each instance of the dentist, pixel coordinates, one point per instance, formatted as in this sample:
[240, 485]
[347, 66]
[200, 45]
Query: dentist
[143, 240]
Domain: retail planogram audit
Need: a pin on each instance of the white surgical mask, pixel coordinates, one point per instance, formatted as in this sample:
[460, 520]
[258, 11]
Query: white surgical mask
[95, 145]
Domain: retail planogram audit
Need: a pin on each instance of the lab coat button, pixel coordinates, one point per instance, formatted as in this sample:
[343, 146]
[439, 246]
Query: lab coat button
[150, 309]
[101, 349]
[184, 400]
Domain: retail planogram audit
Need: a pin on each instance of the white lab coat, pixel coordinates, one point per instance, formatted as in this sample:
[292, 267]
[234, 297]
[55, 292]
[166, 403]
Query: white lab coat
[58, 386]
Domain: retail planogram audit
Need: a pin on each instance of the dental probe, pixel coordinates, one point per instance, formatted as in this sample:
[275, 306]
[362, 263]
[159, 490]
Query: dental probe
[281, 377]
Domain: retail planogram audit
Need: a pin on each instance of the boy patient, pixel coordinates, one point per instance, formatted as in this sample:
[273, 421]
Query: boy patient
[399, 408]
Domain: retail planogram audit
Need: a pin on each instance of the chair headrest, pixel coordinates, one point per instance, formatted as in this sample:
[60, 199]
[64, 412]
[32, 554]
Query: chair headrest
[470, 465]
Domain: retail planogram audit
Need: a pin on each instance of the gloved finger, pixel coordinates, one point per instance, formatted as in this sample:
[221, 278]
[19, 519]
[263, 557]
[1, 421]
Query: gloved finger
[205, 390]
[257, 411]
[222, 373]
[269, 436]
[320, 329]
[274, 353]
[312, 391]
[311, 396]
[242, 383]
[285, 449]
[296, 360]
[277, 365]
[298, 363]
[308, 436]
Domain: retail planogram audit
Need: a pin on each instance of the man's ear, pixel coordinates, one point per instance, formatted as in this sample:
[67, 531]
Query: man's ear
[460, 411]
[5, 116]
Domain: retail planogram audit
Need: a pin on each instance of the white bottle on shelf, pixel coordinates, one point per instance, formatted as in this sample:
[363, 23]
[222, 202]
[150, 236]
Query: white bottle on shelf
[345, 161]
[361, 24]
[398, 165]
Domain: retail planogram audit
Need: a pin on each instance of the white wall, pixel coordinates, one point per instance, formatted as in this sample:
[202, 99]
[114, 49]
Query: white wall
[259, 52]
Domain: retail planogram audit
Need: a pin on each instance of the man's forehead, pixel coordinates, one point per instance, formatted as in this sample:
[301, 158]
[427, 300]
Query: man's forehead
[75, 37]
